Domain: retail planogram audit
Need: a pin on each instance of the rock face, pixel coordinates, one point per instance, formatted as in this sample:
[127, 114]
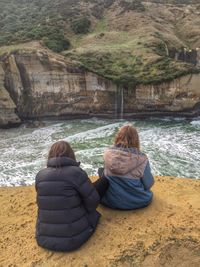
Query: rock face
[41, 84]
[191, 56]
[182, 94]
[7, 106]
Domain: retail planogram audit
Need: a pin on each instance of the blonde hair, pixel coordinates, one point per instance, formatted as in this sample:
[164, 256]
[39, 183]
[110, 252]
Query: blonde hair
[127, 137]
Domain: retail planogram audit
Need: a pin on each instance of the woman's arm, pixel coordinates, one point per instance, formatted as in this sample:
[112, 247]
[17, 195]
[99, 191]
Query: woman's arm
[147, 179]
[88, 192]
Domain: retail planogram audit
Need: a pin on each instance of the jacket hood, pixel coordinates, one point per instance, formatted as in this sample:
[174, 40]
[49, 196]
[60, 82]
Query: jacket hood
[124, 162]
[62, 161]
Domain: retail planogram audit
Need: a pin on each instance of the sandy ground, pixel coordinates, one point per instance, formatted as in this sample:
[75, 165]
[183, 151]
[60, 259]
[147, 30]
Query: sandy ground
[167, 233]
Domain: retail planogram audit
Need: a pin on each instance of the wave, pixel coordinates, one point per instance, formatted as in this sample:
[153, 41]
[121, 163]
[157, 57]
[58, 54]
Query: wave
[195, 123]
[173, 148]
[99, 132]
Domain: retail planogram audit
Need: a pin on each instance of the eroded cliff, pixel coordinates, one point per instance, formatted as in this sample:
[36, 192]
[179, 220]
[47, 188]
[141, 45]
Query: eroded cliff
[37, 83]
[7, 106]
[43, 85]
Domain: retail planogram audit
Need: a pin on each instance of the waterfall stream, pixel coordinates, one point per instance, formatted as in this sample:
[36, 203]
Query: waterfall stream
[119, 103]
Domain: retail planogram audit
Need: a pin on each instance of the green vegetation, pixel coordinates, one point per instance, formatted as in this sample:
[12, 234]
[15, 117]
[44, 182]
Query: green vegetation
[101, 26]
[98, 7]
[21, 21]
[56, 42]
[125, 69]
[132, 5]
[125, 43]
[56, 45]
[16, 47]
[81, 25]
[26, 20]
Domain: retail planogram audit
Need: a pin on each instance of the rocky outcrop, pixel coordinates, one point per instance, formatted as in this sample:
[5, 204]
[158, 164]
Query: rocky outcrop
[44, 85]
[41, 84]
[179, 95]
[7, 106]
[191, 56]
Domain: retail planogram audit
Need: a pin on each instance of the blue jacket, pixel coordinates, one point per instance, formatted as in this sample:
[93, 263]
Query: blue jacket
[130, 179]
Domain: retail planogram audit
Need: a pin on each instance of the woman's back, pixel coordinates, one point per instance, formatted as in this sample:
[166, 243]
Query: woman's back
[129, 176]
[67, 203]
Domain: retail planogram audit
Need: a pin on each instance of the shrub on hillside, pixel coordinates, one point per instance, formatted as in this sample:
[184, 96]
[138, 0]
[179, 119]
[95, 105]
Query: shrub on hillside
[97, 11]
[132, 5]
[81, 26]
[5, 39]
[37, 32]
[57, 42]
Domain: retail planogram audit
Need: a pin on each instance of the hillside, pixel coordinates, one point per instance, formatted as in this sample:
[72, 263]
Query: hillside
[128, 42]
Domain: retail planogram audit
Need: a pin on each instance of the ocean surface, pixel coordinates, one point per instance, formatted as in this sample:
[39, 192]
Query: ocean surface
[172, 145]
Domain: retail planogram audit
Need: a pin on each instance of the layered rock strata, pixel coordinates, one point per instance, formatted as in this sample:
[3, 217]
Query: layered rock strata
[40, 84]
[7, 106]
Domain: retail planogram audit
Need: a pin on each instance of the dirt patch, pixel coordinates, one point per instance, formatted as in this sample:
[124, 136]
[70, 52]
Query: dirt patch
[167, 233]
[181, 253]
[177, 252]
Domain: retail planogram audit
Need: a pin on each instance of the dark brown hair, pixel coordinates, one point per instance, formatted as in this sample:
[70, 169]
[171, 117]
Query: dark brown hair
[61, 149]
[127, 137]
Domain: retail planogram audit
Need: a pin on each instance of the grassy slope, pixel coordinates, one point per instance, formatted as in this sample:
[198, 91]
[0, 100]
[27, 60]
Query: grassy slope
[127, 42]
[130, 47]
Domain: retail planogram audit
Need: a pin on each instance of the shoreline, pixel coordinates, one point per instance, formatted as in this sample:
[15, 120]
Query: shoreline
[94, 177]
[132, 115]
[166, 233]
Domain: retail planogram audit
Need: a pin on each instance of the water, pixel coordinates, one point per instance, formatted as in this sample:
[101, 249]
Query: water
[173, 146]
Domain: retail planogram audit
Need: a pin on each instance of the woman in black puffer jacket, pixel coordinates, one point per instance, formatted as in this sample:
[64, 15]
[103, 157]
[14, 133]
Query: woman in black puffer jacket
[67, 201]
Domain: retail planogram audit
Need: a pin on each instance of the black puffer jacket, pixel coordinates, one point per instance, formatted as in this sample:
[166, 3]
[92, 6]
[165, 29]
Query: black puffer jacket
[67, 203]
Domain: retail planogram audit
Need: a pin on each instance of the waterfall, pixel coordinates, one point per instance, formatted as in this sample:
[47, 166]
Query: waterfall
[122, 103]
[119, 102]
[116, 103]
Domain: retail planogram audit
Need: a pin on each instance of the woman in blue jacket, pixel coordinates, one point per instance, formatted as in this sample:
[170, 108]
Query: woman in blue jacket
[128, 172]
